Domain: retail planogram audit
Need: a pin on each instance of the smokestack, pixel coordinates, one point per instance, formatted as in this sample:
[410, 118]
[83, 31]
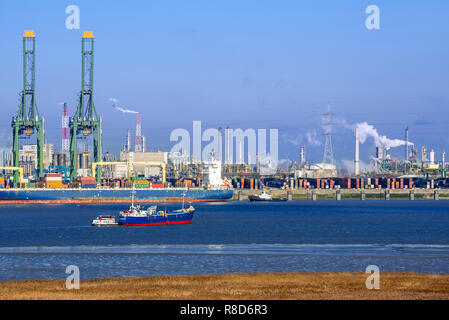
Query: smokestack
[128, 141]
[379, 153]
[406, 144]
[241, 153]
[303, 155]
[138, 145]
[228, 146]
[220, 145]
[423, 154]
[356, 160]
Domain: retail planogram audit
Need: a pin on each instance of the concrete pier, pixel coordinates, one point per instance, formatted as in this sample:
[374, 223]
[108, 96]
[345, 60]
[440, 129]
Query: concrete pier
[349, 194]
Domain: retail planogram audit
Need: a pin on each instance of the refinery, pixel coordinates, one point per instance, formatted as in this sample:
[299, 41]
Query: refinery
[36, 172]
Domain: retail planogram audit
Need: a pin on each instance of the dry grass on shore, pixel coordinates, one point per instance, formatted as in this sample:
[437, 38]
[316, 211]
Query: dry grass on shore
[266, 286]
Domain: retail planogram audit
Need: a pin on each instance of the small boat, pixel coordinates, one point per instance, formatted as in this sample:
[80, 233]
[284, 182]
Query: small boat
[104, 220]
[264, 196]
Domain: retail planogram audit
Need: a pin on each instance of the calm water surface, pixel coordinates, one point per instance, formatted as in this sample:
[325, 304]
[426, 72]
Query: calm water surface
[39, 241]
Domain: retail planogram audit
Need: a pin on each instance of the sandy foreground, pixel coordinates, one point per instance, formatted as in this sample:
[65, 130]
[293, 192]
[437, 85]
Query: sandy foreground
[266, 286]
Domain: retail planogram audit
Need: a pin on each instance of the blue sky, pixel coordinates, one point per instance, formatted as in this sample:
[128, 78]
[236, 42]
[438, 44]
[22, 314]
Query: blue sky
[247, 64]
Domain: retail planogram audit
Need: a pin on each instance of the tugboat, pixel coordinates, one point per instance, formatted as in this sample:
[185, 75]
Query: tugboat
[104, 220]
[137, 216]
[264, 196]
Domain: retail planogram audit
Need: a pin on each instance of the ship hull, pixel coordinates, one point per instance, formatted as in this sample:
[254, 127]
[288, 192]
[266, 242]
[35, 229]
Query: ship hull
[152, 220]
[110, 195]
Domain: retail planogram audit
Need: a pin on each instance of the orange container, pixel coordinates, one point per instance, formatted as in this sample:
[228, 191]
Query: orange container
[53, 184]
[141, 182]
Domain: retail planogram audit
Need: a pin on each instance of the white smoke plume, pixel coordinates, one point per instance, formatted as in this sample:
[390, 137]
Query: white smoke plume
[312, 139]
[367, 130]
[115, 103]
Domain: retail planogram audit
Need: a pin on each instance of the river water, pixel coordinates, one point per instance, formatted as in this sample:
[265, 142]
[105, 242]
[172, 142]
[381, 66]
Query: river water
[40, 241]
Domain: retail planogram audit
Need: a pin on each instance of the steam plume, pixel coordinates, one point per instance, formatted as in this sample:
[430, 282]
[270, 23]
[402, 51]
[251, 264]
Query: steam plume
[115, 103]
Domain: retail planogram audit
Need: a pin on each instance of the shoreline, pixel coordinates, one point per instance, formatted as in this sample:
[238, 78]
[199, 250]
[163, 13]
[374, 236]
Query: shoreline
[241, 195]
[238, 286]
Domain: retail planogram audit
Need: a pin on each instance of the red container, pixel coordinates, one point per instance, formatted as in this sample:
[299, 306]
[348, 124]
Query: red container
[53, 175]
[157, 185]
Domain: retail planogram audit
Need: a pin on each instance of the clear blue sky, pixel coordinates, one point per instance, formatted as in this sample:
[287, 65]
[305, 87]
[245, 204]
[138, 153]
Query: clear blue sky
[248, 64]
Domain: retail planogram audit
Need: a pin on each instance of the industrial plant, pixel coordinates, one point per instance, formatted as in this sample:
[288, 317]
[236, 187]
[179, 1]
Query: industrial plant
[38, 166]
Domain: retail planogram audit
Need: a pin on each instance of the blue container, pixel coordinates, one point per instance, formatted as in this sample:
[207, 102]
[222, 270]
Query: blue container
[88, 186]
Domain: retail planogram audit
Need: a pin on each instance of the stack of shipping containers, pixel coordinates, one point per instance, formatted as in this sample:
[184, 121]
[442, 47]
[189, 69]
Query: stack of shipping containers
[53, 180]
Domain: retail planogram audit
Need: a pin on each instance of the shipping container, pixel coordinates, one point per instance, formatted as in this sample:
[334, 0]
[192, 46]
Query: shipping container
[141, 186]
[88, 186]
[53, 178]
[53, 185]
[53, 175]
[138, 178]
[140, 182]
[157, 185]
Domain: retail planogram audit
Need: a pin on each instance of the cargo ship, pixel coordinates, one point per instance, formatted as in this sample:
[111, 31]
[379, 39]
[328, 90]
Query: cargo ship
[105, 195]
[86, 190]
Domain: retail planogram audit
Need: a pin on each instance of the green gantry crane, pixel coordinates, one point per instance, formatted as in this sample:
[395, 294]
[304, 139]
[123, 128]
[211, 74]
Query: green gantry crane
[86, 120]
[28, 119]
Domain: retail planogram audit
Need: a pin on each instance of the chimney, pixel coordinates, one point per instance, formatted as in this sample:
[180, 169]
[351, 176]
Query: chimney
[356, 160]
[303, 155]
[406, 144]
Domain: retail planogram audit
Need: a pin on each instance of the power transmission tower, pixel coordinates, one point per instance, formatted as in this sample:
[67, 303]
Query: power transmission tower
[328, 156]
